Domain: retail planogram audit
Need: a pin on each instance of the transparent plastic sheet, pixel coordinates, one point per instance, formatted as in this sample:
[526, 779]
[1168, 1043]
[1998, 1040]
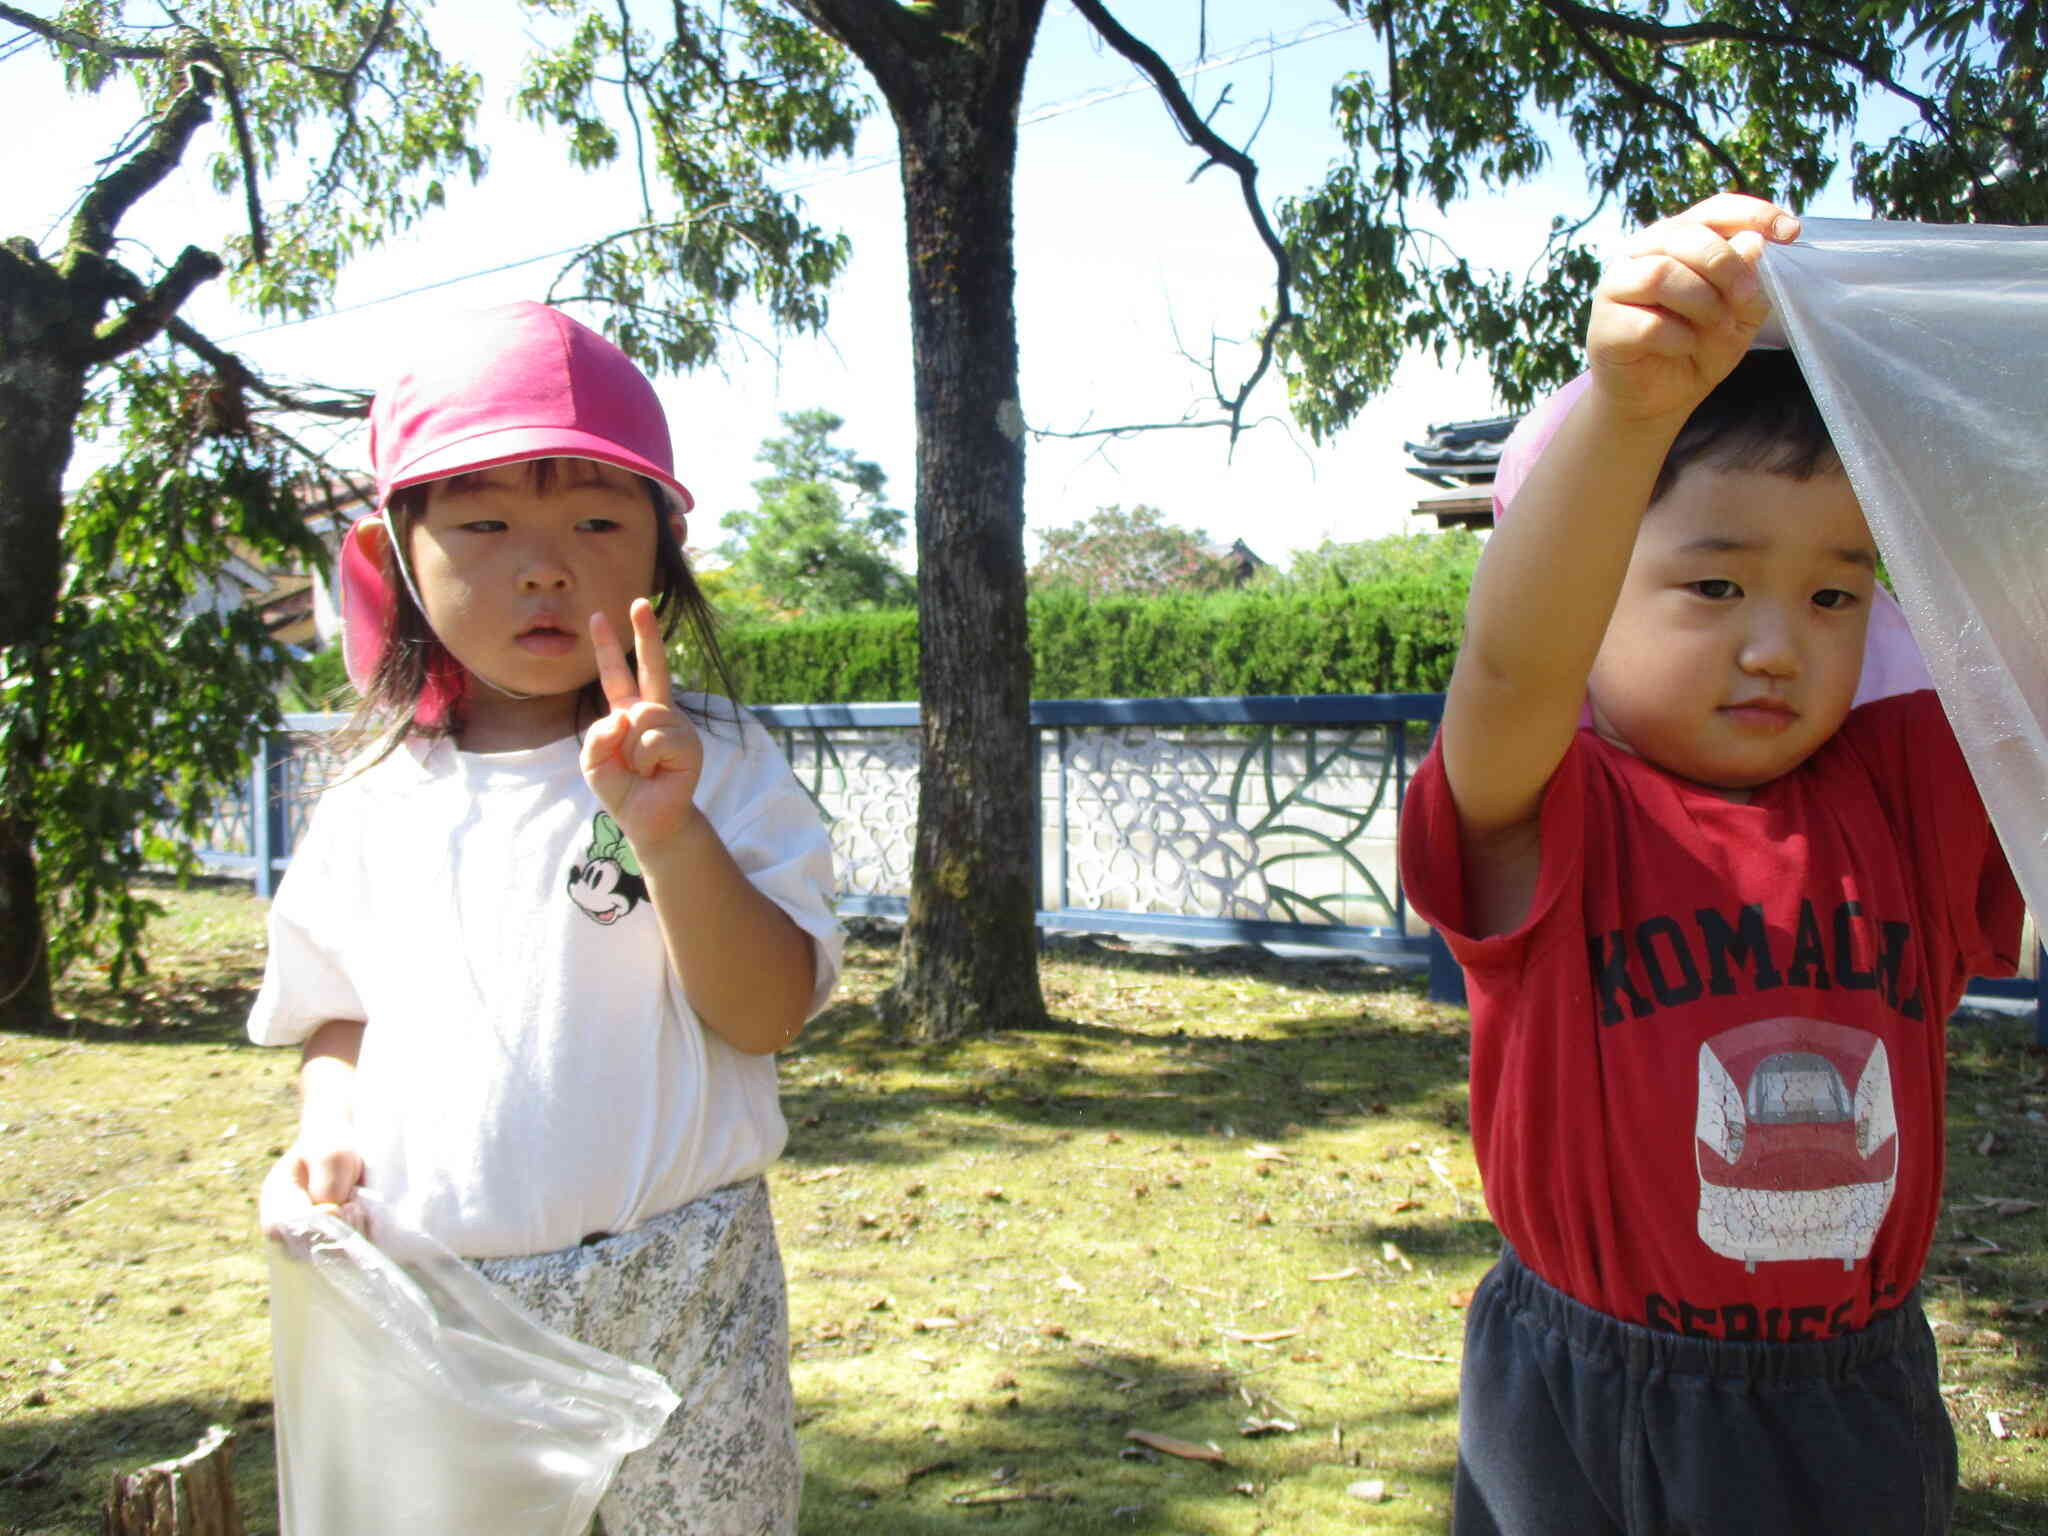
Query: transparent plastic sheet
[1926, 347]
[413, 1396]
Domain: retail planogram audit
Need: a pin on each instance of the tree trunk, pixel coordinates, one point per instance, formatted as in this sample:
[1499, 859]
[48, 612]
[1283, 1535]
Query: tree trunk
[969, 961]
[42, 389]
[192, 1496]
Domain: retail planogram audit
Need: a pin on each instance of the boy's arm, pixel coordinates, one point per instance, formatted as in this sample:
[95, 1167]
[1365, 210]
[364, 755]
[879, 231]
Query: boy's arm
[1668, 322]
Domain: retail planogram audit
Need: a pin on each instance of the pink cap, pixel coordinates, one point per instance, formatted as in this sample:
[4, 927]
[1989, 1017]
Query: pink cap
[1892, 662]
[512, 384]
[524, 382]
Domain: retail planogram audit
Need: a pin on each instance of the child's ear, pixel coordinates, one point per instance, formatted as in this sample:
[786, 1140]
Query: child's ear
[375, 533]
[679, 525]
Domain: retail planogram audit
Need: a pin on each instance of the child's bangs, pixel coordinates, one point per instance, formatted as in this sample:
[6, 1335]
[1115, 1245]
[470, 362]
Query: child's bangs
[544, 477]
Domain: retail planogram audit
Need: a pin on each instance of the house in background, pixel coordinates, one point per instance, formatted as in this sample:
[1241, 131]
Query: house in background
[1458, 458]
[297, 605]
[1238, 559]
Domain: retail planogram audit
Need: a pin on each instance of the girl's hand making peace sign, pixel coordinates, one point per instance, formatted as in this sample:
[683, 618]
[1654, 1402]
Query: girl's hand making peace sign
[642, 760]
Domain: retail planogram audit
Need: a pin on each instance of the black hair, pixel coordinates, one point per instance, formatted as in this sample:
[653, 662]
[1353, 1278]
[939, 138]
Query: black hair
[1761, 417]
[412, 653]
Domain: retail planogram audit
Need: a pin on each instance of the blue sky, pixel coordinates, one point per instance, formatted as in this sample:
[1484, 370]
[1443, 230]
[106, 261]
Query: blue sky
[1121, 261]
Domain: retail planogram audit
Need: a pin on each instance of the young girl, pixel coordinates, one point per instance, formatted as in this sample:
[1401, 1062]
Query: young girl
[538, 953]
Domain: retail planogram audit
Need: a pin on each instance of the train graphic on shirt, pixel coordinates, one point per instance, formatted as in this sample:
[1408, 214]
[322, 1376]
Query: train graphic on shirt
[1797, 1141]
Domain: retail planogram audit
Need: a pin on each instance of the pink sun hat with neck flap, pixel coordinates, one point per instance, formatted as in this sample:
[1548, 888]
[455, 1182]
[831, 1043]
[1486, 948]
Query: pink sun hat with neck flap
[504, 386]
[1892, 663]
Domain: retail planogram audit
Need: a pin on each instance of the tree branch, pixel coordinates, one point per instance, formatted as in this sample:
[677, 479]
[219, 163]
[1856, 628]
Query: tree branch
[245, 148]
[82, 42]
[1688, 33]
[150, 309]
[627, 82]
[233, 370]
[1649, 96]
[1197, 132]
[884, 35]
[110, 198]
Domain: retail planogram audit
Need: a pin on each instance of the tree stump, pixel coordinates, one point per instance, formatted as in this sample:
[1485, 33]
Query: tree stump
[192, 1496]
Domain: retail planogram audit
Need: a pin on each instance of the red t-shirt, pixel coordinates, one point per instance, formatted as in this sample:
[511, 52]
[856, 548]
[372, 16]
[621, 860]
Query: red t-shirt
[1707, 1070]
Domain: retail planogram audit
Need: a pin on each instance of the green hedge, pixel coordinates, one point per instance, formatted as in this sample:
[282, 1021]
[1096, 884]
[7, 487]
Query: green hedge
[1380, 637]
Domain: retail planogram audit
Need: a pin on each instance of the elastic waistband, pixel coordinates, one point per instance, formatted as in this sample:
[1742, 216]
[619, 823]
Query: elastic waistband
[1590, 1331]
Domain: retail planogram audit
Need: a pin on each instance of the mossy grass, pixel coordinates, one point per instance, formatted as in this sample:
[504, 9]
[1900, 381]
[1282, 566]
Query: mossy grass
[1222, 1198]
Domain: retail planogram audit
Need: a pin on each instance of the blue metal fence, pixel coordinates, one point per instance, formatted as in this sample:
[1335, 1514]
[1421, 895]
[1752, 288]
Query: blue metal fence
[1240, 820]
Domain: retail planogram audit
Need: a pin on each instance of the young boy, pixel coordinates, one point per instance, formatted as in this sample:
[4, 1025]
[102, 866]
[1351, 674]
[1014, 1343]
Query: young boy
[1712, 921]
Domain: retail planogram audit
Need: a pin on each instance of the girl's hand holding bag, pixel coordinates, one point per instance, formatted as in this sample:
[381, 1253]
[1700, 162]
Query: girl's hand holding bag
[412, 1395]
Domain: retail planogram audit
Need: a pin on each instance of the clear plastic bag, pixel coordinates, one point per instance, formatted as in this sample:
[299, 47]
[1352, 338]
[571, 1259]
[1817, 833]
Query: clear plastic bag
[413, 1396]
[1925, 347]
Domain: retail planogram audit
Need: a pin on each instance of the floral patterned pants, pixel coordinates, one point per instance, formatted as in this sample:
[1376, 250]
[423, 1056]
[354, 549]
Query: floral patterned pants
[696, 1294]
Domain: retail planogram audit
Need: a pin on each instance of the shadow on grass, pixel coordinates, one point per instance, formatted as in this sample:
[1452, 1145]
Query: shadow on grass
[852, 1093]
[1051, 1453]
[56, 1467]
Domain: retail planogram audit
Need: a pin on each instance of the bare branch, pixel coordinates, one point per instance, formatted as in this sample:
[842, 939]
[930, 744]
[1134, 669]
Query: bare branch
[1198, 133]
[259, 243]
[626, 84]
[1134, 428]
[351, 405]
[110, 198]
[150, 309]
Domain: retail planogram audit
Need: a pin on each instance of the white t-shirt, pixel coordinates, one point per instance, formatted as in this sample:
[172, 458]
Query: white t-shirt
[531, 1072]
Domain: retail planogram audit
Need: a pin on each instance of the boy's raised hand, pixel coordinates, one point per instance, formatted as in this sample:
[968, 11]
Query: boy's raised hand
[1681, 306]
[642, 760]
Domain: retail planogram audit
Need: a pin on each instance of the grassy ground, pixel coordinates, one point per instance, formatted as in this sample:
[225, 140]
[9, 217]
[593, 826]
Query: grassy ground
[1224, 1200]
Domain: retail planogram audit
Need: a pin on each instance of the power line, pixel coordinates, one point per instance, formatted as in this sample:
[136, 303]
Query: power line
[1313, 32]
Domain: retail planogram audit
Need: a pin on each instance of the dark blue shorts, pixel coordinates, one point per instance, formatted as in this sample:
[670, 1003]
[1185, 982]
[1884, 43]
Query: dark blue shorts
[1579, 1424]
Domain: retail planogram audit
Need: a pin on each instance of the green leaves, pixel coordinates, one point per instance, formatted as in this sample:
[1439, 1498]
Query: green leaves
[820, 537]
[1665, 106]
[1134, 553]
[156, 676]
[337, 119]
[707, 112]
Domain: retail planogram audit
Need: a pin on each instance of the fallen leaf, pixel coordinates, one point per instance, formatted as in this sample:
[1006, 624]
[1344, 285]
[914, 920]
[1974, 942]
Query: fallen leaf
[1067, 1282]
[817, 1174]
[1252, 1428]
[1260, 1338]
[1343, 1274]
[1976, 1246]
[879, 1304]
[1996, 1421]
[934, 1324]
[1394, 1255]
[1005, 1496]
[1186, 1450]
[1265, 1154]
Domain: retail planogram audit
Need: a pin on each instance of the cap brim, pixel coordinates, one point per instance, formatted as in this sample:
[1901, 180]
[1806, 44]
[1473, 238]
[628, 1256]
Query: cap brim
[517, 445]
